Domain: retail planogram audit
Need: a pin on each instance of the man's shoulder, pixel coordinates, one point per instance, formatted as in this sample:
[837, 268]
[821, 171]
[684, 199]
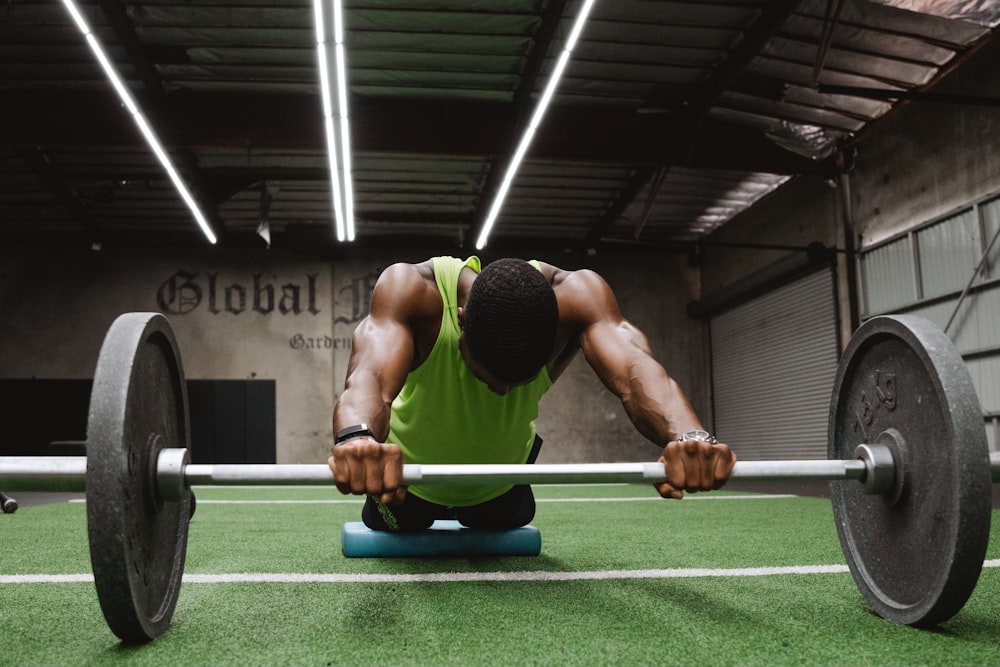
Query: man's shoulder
[583, 296]
[577, 283]
[406, 276]
[409, 285]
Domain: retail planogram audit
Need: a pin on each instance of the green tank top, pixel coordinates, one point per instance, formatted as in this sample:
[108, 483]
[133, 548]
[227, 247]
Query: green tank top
[444, 414]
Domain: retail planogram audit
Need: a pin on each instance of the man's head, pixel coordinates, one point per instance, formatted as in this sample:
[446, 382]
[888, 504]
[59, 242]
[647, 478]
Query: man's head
[509, 321]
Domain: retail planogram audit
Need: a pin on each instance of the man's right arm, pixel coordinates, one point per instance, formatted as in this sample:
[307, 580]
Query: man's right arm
[382, 355]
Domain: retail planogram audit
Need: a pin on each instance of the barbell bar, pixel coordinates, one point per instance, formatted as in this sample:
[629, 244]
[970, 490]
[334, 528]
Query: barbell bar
[175, 476]
[186, 475]
[904, 421]
[536, 473]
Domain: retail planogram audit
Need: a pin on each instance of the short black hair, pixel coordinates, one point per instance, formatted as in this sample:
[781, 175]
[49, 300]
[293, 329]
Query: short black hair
[510, 320]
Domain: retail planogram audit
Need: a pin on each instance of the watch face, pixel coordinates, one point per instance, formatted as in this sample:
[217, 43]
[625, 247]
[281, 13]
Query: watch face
[703, 436]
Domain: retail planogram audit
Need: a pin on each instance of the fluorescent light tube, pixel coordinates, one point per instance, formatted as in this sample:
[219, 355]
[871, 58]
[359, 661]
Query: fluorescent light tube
[335, 116]
[536, 119]
[140, 120]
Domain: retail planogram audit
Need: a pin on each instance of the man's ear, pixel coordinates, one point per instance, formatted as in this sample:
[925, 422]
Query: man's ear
[461, 317]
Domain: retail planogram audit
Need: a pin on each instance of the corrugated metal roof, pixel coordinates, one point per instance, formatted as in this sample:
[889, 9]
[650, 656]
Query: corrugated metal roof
[672, 117]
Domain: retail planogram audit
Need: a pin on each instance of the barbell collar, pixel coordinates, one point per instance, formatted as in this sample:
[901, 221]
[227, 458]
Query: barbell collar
[171, 481]
[880, 468]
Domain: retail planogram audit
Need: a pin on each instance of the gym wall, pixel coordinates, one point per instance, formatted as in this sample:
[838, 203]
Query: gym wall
[275, 317]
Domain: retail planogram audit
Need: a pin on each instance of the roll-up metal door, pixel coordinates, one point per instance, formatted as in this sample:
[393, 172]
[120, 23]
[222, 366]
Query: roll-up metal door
[774, 361]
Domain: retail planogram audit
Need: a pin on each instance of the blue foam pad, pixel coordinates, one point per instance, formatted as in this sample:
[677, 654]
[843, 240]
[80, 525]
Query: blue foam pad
[443, 538]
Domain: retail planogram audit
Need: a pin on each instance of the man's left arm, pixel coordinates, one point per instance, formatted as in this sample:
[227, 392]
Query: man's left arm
[621, 356]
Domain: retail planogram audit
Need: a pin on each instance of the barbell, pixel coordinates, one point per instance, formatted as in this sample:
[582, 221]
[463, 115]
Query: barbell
[909, 467]
[174, 473]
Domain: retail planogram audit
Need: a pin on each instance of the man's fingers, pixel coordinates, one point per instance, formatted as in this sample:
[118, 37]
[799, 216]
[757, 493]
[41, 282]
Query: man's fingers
[667, 491]
[697, 473]
[368, 468]
[392, 476]
[399, 496]
[341, 474]
[673, 469]
[370, 464]
[694, 465]
[674, 466]
[725, 460]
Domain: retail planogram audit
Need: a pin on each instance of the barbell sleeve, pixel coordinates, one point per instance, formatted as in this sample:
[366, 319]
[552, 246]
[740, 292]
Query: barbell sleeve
[43, 473]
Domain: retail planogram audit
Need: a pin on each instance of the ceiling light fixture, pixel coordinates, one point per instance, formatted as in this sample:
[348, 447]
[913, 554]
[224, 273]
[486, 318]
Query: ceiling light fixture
[140, 120]
[536, 119]
[335, 114]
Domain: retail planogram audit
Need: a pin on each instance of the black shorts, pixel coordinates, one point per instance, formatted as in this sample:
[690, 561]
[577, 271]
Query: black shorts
[513, 509]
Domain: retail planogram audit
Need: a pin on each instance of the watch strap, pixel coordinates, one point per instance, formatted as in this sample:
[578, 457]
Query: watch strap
[352, 433]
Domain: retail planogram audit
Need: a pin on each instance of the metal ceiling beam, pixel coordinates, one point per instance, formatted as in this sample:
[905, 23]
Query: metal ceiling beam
[476, 129]
[688, 134]
[155, 97]
[41, 165]
[129, 41]
[636, 183]
[318, 241]
[772, 17]
[912, 95]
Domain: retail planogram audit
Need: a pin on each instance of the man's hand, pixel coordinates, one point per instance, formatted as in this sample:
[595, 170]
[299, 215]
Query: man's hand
[366, 467]
[694, 465]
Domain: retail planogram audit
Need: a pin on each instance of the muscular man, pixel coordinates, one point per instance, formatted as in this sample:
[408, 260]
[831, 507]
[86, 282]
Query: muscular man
[450, 365]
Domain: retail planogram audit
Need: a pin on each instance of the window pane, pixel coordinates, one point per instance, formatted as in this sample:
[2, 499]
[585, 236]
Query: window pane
[991, 223]
[887, 277]
[949, 253]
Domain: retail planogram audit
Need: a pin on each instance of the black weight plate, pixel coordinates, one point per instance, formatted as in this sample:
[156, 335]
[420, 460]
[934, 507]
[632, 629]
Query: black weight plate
[137, 543]
[915, 553]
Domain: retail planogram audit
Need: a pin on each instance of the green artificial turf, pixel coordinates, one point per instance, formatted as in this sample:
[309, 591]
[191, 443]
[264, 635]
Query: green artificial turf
[790, 619]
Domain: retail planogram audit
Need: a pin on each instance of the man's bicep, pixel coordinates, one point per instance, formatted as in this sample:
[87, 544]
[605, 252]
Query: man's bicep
[382, 353]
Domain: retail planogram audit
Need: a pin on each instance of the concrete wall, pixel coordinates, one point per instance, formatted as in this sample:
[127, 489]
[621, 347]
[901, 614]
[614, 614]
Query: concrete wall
[936, 158]
[273, 315]
[580, 420]
[235, 316]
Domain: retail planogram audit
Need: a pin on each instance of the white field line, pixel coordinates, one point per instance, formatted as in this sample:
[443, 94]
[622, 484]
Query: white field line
[762, 496]
[355, 501]
[449, 577]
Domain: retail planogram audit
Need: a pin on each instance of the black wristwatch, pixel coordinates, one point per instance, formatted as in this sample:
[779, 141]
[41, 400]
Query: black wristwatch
[353, 433]
[702, 436]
